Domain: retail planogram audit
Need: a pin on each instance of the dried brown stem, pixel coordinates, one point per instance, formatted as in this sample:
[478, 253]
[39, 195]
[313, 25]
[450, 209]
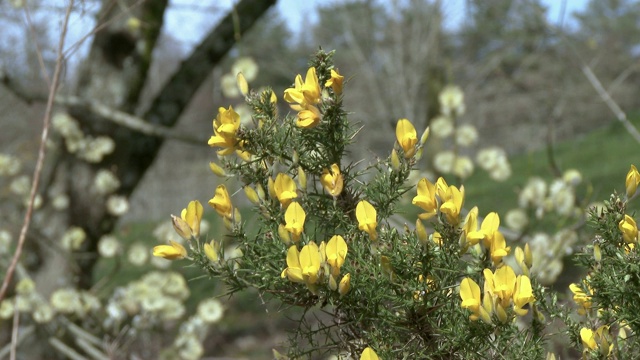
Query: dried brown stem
[41, 155]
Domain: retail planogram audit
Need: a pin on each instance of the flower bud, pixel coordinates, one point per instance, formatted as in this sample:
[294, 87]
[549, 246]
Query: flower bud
[302, 179]
[252, 195]
[421, 231]
[216, 169]
[333, 284]
[210, 250]
[243, 85]
[345, 285]
[181, 227]
[425, 136]
[284, 234]
[395, 160]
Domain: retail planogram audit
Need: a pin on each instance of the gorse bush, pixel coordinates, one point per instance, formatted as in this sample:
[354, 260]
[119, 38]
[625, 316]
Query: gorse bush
[329, 238]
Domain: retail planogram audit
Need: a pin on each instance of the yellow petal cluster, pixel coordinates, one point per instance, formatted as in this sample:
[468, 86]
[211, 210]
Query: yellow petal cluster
[629, 229]
[336, 253]
[174, 251]
[303, 266]
[597, 340]
[407, 137]
[284, 189]
[335, 82]
[451, 199]
[471, 299]
[192, 215]
[492, 238]
[304, 97]
[426, 199]
[367, 221]
[332, 180]
[502, 289]
[225, 127]
[294, 219]
[581, 298]
[221, 202]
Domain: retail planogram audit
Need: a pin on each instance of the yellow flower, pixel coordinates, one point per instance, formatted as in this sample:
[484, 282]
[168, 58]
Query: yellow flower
[367, 222]
[332, 180]
[604, 341]
[369, 354]
[294, 220]
[285, 189]
[171, 252]
[502, 284]
[470, 295]
[294, 270]
[426, 199]
[499, 248]
[632, 181]
[489, 227]
[345, 285]
[192, 215]
[470, 228]
[336, 252]
[225, 127]
[335, 82]
[407, 137]
[582, 299]
[221, 202]
[588, 339]
[522, 295]
[310, 262]
[309, 117]
[629, 229]
[304, 94]
[452, 200]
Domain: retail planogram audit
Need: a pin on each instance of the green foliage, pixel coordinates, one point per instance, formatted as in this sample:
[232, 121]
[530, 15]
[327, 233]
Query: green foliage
[403, 299]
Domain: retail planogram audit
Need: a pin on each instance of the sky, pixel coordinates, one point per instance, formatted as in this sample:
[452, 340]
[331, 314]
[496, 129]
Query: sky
[297, 12]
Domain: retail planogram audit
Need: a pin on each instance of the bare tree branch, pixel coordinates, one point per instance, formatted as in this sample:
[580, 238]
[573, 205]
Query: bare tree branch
[41, 155]
[604, 95]
[106, 113]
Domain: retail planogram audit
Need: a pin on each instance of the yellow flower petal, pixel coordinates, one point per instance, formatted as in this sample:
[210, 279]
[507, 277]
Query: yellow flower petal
[172, 252]
[367, 222]
[407, 137]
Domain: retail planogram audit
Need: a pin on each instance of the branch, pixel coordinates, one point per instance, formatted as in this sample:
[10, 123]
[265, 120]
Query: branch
[106, 113]
[174, 97]
[604, 95]
[41, 155]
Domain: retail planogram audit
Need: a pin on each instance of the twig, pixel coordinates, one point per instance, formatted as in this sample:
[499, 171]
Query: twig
[107, 113]
[66, 350]
[127, 120]
[604, 95]
[41, 155]
[26, 332]
[32, 32]
[14, 330]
